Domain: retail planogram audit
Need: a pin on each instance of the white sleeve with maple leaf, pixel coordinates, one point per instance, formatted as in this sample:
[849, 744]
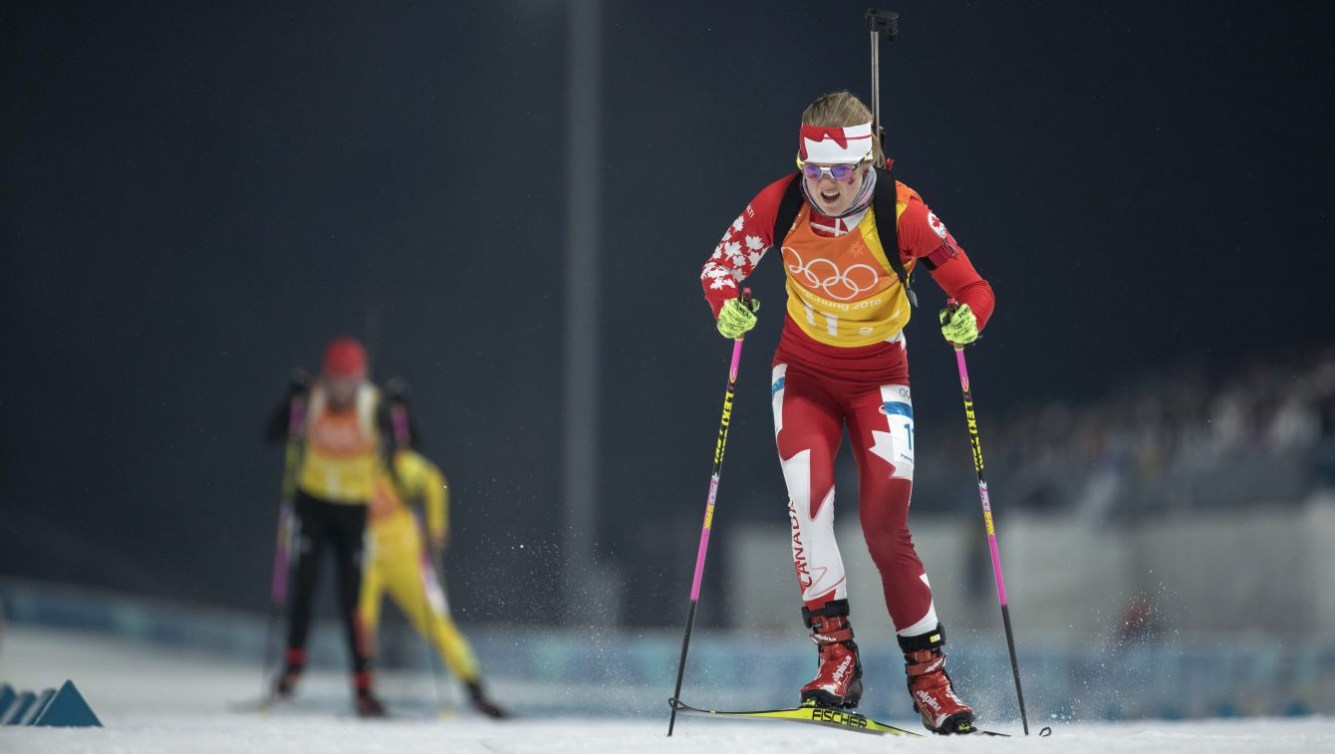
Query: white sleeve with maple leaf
[743, 246]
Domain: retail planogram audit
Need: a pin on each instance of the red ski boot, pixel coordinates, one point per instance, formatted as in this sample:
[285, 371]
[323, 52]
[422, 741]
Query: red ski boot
[933, 696]
[367, 705]
[365, 701]
[285, 685]
[838, 681]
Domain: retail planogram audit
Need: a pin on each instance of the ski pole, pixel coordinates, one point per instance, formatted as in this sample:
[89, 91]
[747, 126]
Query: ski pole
[429, 579]
[296, 418]
[709, 513]
[977, 446]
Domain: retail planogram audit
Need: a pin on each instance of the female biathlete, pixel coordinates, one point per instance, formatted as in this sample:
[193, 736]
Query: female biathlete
[841, 361]
[401, 566]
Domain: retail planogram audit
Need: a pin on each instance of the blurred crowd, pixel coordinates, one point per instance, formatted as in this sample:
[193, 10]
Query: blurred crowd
[1258, 430]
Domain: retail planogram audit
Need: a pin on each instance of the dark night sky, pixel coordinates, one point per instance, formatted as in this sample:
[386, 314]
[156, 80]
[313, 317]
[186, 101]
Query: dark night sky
[197, 195]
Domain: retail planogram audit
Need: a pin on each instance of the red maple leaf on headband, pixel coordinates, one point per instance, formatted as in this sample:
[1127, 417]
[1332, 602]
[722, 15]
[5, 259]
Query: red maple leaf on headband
[821, 133]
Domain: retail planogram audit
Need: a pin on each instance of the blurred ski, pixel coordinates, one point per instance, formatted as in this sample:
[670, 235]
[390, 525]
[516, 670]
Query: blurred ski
[263, 704]
[812, 715]
[826, 716]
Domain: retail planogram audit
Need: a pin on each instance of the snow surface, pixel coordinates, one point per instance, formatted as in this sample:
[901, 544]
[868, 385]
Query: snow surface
[154, 701]
[219, 732]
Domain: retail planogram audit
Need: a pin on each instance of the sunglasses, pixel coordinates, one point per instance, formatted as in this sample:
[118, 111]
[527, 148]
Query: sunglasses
[839, 173]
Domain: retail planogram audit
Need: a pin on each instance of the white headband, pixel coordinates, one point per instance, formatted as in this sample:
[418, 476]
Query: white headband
[834, 145]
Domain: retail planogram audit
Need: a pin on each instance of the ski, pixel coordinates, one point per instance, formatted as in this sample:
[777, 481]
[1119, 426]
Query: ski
[826, 716]
[813, 715]
[269, 706]
[262, 705]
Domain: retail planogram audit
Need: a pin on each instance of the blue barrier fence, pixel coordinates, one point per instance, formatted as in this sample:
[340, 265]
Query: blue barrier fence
[626, 672]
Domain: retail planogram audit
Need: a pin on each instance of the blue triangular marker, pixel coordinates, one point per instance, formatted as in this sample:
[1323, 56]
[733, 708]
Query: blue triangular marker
[37, 707]
[16, 710]
[68, 710]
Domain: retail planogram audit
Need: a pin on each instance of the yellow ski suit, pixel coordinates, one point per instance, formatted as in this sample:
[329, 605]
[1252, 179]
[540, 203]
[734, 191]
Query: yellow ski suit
[398, 563]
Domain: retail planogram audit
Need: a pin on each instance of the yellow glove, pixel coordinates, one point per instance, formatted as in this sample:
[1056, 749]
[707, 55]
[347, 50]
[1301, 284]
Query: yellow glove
[959, 326]
[438, 541]
[736, 319]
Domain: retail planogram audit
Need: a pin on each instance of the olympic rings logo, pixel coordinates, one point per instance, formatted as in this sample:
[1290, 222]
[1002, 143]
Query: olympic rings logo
[823, 275]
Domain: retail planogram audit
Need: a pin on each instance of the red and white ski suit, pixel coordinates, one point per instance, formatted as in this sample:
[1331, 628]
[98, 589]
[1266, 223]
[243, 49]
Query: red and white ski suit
[842, 361]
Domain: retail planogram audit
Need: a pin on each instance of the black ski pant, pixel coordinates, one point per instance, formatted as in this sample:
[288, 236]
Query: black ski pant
[342, 528]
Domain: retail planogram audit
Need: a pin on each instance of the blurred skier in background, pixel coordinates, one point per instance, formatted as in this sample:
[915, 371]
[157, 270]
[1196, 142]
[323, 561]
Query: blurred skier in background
[399, 563]
[346, 441]
[849, 243]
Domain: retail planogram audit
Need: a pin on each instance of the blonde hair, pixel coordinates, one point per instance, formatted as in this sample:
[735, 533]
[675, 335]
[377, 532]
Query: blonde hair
[838, 110]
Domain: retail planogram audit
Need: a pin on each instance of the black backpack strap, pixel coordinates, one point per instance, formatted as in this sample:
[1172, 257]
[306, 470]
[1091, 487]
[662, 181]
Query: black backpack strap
[887, 228]
[790, 205]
